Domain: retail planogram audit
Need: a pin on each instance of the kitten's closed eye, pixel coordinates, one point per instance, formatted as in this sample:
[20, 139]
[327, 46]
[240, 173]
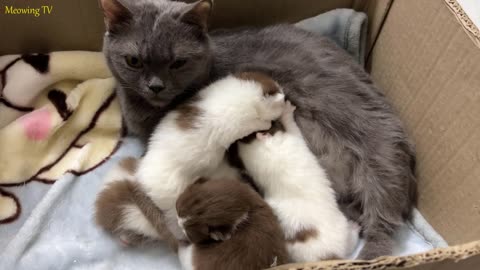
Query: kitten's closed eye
[178, 63]
[134, 61]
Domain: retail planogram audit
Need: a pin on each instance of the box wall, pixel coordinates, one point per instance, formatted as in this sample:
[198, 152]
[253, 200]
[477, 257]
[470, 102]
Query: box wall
[72, 25]
[78, 24]
[430, 70]
[377, 11]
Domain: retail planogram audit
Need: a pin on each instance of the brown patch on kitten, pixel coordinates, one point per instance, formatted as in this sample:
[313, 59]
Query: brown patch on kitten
[303, 236]
[109, 209]
[269, 86]
[231, 209]
[130, 164]
[109, 214]
[188, 114]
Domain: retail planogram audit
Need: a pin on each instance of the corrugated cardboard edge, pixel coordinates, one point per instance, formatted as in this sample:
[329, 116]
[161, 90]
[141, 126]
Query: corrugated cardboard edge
[470, 28]
[455, 253]
[377, 12]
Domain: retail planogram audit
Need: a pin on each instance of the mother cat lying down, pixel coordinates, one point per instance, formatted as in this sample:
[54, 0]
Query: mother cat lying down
[159, 50]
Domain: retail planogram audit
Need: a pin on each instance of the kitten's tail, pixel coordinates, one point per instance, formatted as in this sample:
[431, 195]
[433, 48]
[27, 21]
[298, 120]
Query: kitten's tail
[123, 176]
[152, 213]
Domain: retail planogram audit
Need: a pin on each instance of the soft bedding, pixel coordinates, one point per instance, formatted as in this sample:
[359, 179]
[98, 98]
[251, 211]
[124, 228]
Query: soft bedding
[61, 131]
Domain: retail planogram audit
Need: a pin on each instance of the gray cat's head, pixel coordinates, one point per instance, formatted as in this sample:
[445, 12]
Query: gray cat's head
[157, 48]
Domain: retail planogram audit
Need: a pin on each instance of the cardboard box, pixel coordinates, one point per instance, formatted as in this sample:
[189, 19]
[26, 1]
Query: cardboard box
[418, 53]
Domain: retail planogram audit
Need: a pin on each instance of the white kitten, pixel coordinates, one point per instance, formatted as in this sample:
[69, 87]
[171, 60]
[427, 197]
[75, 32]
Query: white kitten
[190, 142]
[298, 190]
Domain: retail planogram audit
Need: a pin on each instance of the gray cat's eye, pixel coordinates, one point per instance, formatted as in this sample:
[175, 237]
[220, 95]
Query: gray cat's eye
[178, 63]
[133, 61]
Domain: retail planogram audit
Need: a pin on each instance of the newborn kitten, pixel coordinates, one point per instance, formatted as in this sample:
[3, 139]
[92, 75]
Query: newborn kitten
[230, 226]
[190, 141]
[122, 208]
[297, 189]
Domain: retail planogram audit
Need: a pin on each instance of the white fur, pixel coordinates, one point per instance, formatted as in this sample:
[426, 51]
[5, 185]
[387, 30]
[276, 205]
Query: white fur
[231, 109]
[134, 220]
[298, 190]
[181, 223]
[185, 255]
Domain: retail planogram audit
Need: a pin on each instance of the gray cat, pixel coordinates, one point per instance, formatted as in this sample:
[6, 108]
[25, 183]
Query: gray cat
[160, 53]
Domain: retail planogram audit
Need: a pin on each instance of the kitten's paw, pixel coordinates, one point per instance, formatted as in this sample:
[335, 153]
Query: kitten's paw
[274, 263]
[287, 114]
[289, 108]
[263, 135]
[124, 239]
[273, 107]
[220, 236]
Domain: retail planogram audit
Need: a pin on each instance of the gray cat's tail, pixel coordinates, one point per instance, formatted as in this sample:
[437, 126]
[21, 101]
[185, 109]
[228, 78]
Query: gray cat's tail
[376, 244]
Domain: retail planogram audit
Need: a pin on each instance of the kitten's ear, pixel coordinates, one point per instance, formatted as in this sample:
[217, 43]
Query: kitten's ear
[115, 13]
[199, 14]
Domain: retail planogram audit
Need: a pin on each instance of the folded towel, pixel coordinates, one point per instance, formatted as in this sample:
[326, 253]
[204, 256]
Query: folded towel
[347, 27]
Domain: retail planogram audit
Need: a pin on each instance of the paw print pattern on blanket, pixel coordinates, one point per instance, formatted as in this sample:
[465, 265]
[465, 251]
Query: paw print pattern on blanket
[58, 114]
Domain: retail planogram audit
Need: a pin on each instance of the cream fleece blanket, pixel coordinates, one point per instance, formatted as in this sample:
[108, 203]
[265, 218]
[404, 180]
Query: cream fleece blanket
[58, 114]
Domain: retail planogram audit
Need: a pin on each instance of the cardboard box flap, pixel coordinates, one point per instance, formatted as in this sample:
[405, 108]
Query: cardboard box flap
[429, 70]
[377, 12]
[462, 257]
[462, 15]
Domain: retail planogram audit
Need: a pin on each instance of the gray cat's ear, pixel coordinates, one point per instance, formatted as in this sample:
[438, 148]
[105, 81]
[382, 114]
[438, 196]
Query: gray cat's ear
[115, 13]
[198, 14]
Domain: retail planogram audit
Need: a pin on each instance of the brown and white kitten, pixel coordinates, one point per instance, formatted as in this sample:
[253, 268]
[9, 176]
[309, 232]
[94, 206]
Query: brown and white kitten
[230, 226]
[123, 209]
[160, 52]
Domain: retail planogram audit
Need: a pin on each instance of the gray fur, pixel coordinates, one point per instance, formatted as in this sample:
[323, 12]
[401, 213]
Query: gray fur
[347, 122]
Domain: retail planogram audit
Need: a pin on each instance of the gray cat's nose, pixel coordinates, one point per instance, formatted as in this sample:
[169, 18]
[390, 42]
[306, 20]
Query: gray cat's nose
[156, 88]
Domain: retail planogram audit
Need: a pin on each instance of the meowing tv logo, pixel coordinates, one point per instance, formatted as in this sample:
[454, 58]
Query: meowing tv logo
[42, 10]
